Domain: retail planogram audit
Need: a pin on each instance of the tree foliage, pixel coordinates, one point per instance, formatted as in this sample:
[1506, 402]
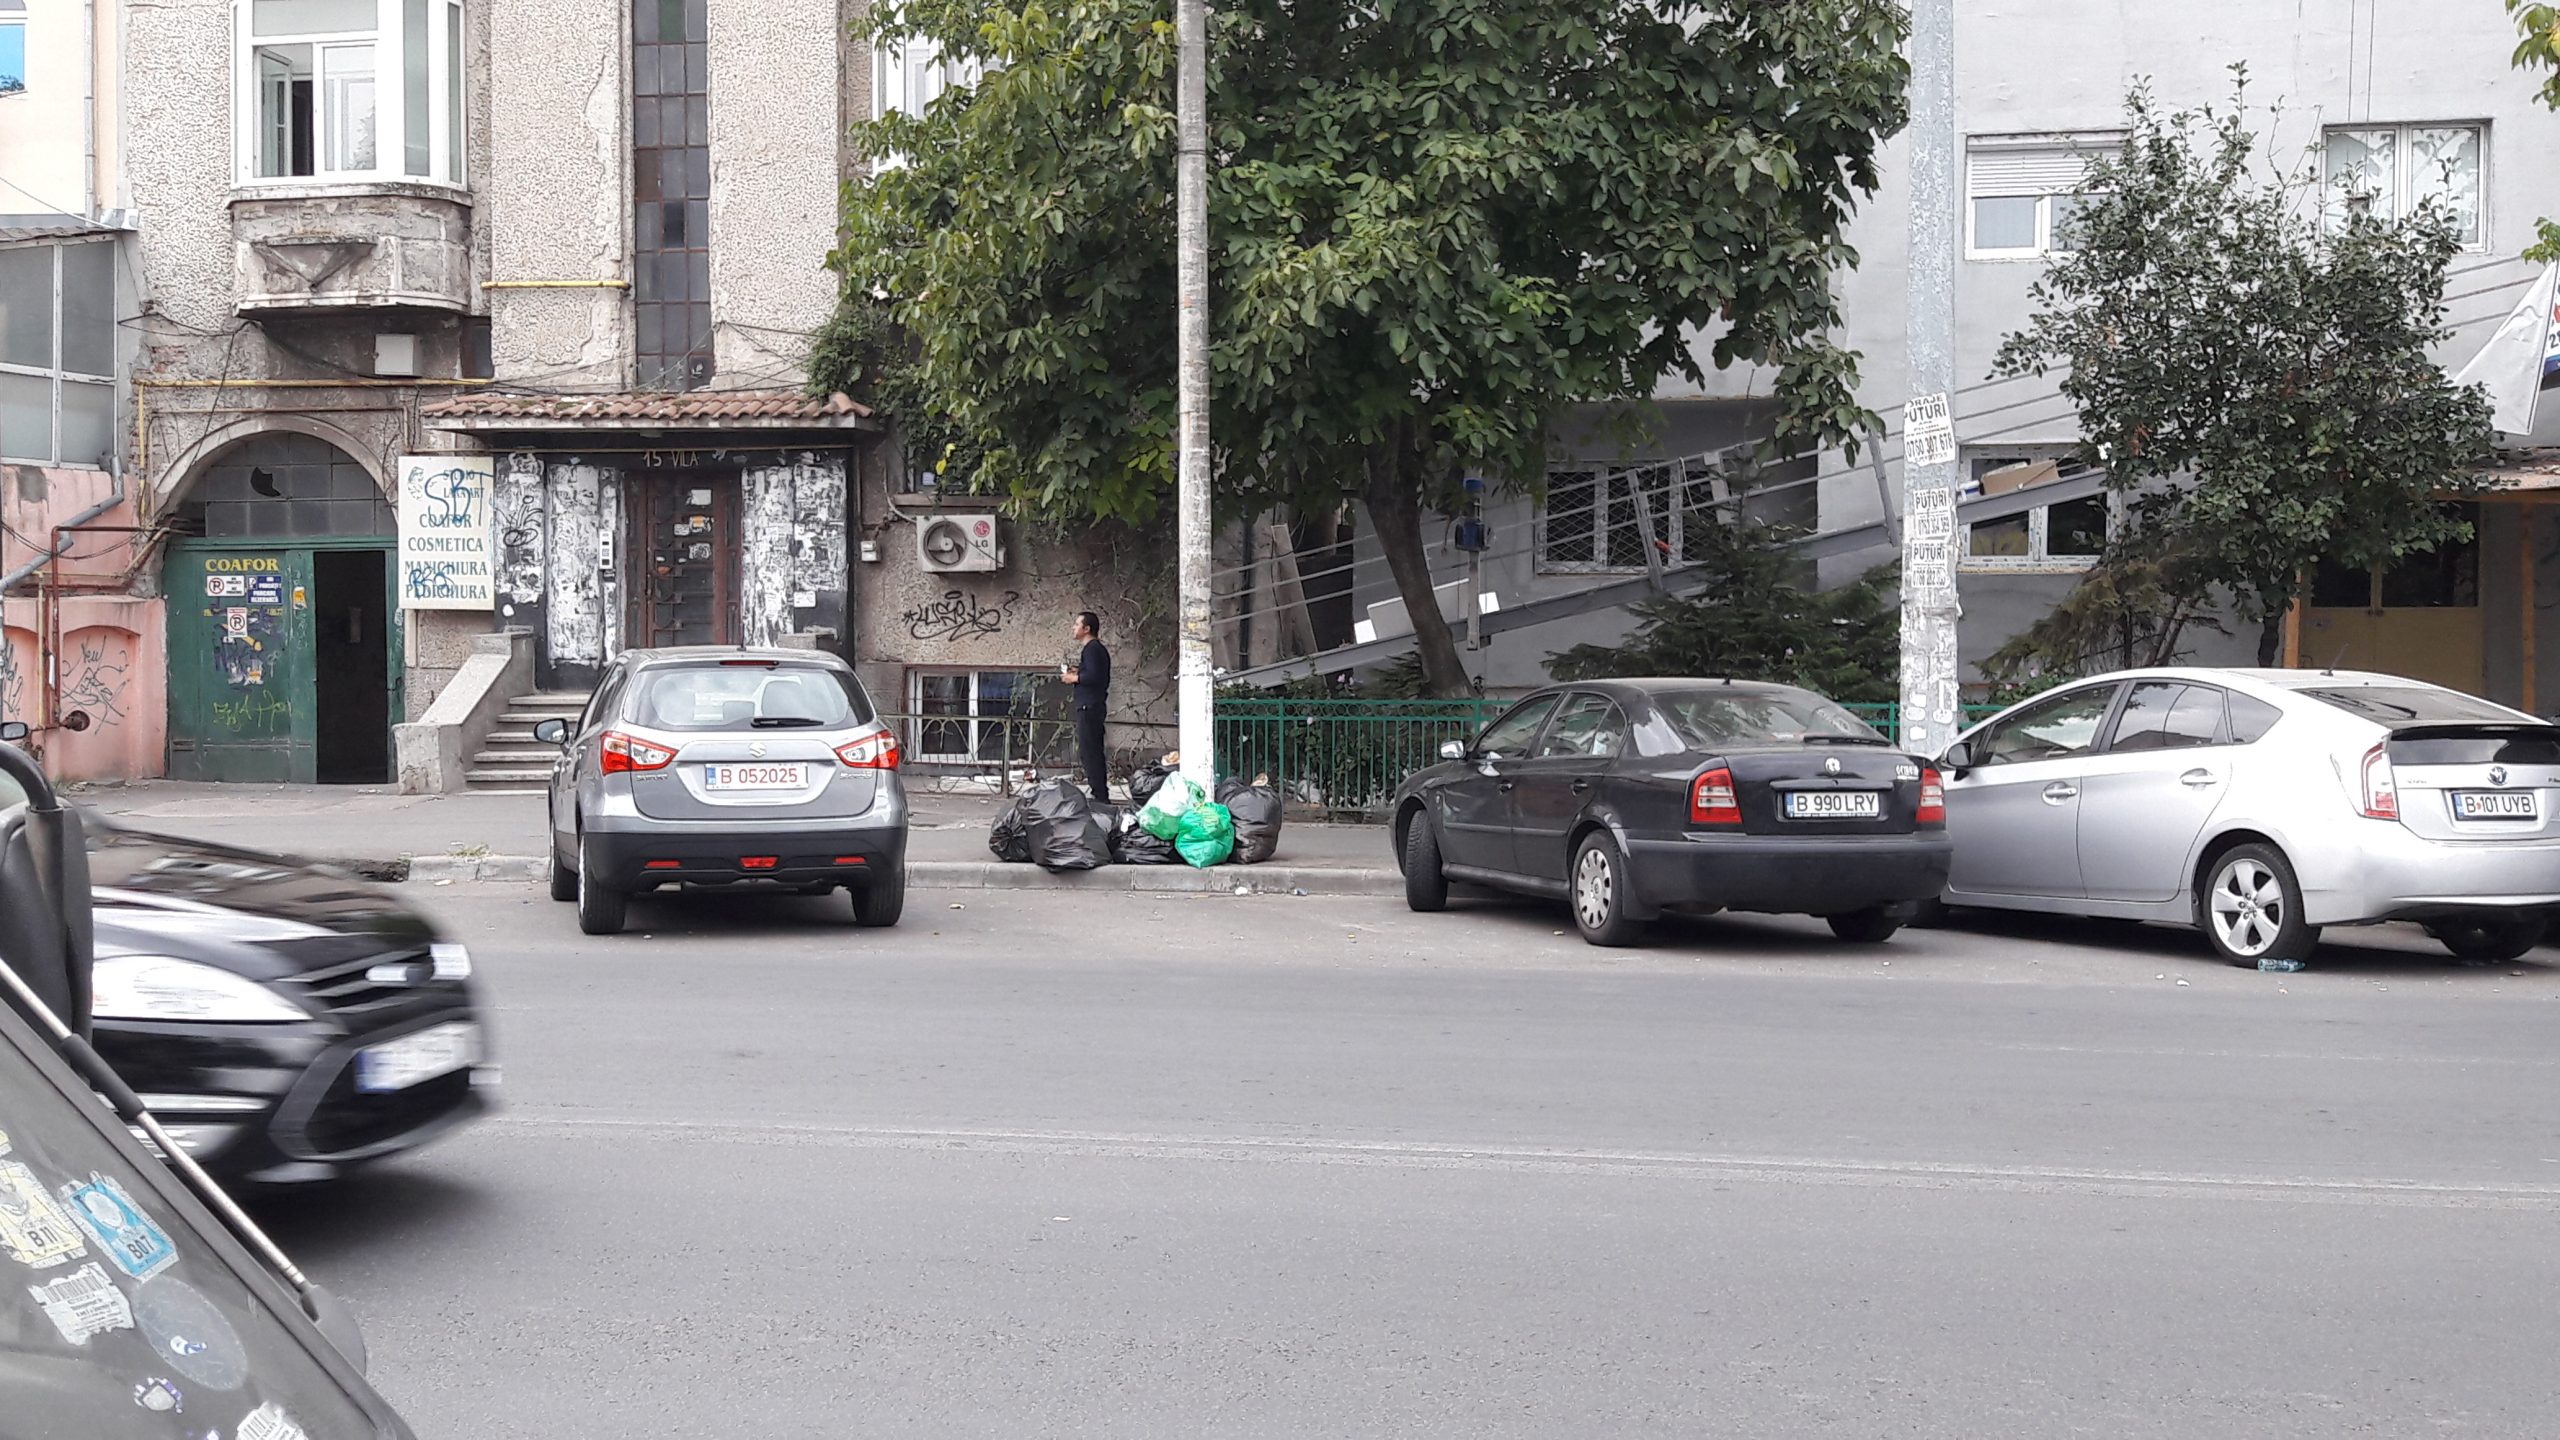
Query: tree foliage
[2259, 389]
[1757, 615]
[2538, 48]
[2136, 607]
[1435, 224]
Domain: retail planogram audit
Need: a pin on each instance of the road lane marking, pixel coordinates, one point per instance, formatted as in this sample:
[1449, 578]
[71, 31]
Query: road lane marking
[1758, 1169]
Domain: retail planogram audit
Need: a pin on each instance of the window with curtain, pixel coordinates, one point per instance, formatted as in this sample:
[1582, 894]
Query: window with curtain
[57, 352]
[351, 89]
[2389, 171]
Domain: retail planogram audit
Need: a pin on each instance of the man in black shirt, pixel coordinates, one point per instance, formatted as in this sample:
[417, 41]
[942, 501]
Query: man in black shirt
[1091, 677]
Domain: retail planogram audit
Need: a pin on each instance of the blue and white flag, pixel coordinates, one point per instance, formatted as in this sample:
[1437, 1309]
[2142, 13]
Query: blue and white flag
[2522, 358]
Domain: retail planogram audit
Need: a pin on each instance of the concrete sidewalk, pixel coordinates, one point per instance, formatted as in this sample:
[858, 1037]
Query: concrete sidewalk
[378, 832]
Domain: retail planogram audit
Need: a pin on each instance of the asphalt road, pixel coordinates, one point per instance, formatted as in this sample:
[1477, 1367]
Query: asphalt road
[1126, 1165]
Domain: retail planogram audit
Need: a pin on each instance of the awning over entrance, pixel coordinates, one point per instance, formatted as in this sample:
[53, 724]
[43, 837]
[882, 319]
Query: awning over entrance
[492, 411]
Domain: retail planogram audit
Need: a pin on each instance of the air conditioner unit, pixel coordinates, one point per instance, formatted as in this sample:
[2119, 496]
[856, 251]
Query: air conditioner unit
[959, 544]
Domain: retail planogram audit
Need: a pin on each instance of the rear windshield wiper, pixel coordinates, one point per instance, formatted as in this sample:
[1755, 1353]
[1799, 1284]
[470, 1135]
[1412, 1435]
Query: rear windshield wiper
[785, 722]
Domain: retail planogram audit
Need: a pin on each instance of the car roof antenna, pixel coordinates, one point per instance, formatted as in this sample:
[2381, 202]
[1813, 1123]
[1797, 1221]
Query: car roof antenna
[2332, 670]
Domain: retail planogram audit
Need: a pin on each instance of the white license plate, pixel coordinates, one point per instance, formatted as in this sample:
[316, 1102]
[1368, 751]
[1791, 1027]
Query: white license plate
[2497, 805]
[399, 1064]
[755, 777]
[1834, 805]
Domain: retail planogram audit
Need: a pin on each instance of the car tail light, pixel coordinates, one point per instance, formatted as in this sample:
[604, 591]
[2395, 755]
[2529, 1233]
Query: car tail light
[2380, 799]
[664, 865]
[758, 862]
[871, 752]
[1933, 798]
[630, 752]
[1712, 801]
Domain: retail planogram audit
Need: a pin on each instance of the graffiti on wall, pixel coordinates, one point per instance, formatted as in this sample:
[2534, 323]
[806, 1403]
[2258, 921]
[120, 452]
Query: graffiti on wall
[522, 537]
[97, 675]
[13, 680]
[579, 558]
[958, 615]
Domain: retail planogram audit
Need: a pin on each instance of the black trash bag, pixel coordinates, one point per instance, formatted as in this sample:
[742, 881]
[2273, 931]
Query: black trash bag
[1134, 846]
[1060, 828]
[1144, 785]
[1010, 836]
[1256, 811]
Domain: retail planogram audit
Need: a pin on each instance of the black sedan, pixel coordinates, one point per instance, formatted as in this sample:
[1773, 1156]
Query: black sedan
[1629, 798]
[283, 1021]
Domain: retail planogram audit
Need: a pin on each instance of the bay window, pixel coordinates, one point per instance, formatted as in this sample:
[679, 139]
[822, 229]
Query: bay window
[349, 89]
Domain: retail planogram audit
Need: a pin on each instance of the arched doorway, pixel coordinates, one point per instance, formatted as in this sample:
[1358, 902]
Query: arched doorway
[284, 632]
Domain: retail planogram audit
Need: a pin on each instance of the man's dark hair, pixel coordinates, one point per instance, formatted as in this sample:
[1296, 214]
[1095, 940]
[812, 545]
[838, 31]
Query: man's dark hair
[1091, 622]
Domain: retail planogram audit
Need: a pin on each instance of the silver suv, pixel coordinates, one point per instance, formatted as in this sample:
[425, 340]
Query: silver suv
[717, 765]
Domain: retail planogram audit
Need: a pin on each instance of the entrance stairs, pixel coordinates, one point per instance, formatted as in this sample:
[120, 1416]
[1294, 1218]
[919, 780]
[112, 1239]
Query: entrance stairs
[513, 762]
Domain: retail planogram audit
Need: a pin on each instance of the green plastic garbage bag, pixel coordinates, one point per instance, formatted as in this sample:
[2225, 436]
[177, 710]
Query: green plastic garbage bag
[1206, 836]
[1163, 814]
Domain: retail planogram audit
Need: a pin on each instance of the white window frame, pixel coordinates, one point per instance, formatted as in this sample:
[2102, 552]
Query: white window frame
[1670, 512]
[59, 377]
[897, 69]
[2039, 558]
[2403, 176]
[445, 77]
[13, 16]
[979, 721]
[2042, 168]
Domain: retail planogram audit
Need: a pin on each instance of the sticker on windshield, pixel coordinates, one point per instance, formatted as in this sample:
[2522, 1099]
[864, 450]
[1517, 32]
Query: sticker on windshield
[33, 1228]
[269, 1422]
[83, 1303]
[159, 1396]
[124, 1234]
[187, 1332]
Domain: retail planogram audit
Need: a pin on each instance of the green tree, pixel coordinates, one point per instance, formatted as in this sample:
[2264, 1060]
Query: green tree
[2257, 387]
[1757, 615]
[2538, 48]
[1435, 224]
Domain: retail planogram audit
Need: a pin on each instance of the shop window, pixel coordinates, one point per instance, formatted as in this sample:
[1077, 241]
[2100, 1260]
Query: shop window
[350, 89]
[57, 352]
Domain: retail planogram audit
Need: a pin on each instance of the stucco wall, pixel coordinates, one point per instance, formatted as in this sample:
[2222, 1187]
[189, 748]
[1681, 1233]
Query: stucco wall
[776, 128]
[555, 189]
[112, 669]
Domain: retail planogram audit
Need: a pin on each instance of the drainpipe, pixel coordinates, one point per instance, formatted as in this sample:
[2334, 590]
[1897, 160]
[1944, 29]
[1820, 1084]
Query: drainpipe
[89, 110]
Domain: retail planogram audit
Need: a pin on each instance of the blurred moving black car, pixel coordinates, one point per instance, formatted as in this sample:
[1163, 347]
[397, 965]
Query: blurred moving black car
[1632, 797]
[284, 1021]
[137, 1292]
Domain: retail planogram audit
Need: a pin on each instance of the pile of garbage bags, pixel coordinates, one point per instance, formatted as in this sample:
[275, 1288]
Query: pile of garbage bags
[1170, 821]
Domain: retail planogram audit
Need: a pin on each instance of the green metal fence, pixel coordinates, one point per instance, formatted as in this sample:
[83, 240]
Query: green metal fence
[1343, 754]
[1887, 716]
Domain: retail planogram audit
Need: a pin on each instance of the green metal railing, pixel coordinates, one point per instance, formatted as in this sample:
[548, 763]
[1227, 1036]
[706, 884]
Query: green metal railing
[1343, 754]
[1886, 716]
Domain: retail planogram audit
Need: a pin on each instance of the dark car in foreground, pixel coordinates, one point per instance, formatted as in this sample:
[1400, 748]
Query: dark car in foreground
[1630, 798]
[725, 765]
[283, 1020]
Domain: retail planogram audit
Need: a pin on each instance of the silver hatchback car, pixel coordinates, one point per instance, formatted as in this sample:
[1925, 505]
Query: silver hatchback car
[725, 765]
[2261, 805]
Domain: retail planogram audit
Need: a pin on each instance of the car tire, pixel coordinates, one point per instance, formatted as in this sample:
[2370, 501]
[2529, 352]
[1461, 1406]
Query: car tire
[1426, 888]
[2250, 908]
[564, 881]
[601, 908]
[2490, 939]
[1871, 926]
[1598, 893]
[877, 905]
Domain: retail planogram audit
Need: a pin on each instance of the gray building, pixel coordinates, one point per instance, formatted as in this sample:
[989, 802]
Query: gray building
[2386, 100]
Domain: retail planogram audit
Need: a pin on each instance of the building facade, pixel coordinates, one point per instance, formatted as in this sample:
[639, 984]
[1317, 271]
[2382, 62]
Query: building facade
[2384, 100]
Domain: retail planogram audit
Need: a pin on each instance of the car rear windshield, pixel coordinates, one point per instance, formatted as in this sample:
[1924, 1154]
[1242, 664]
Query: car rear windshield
[2399, 707]
[747, 697]
[1710, 718]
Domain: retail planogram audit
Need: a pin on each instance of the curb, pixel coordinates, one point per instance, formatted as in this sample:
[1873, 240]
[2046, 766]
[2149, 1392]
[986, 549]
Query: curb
[1263, 879]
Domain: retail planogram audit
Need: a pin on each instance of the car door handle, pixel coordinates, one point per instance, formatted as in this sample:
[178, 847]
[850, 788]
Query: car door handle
[1581, 785]
[2199, 779]
[2059, 791]
[1506, 786]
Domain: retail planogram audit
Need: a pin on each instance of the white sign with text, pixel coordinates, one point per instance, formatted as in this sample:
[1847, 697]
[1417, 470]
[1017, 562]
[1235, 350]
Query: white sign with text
[446, 532]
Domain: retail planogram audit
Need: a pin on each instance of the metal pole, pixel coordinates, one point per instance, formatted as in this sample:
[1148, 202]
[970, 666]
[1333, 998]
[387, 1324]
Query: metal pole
[1929, 609]
[1195, 694]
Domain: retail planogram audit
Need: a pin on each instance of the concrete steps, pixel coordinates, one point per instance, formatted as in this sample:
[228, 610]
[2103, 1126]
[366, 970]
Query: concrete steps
[513, 762]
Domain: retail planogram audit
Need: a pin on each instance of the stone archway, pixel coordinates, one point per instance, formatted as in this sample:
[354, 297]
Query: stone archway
[185, 469]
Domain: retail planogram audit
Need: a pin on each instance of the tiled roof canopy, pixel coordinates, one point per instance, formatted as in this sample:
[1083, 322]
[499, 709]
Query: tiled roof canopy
[757, 409]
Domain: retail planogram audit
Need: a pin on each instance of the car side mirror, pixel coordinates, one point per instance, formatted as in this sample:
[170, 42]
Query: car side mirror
[1959, 757]
[14, 731]
[1449, 749]
[552, 732]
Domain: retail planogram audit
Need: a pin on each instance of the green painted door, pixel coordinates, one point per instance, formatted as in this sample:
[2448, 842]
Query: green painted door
[240, 694]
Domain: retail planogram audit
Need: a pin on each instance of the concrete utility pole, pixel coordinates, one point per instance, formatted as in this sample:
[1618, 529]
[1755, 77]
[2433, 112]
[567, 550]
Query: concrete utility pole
[1196, 693]
[1929, 608]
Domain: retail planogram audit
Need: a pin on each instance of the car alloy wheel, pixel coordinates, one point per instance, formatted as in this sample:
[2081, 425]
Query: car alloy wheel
[2251, 908]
